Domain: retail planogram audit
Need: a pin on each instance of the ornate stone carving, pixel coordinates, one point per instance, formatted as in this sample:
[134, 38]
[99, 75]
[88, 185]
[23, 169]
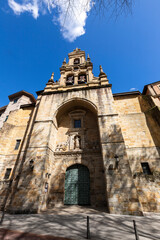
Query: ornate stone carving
[61, 147]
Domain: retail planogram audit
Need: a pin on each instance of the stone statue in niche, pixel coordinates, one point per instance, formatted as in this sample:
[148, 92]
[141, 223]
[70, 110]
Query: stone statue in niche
[77, 142]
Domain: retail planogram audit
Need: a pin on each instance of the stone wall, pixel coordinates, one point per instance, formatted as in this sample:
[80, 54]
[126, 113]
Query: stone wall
[142, 138]
[13, 129]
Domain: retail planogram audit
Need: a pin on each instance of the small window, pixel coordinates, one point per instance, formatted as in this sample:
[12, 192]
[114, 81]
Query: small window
[18, 141]
[7, 173]
[76, 61]
[77, 123]
[15, 100]
[6, 118]
[146, 168]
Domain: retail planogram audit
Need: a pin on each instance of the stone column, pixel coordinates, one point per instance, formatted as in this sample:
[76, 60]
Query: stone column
[90, 74]
[76, 79]
[63, 79]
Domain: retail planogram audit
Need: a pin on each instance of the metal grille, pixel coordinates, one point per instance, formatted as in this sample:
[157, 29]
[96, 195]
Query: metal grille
[77, 185]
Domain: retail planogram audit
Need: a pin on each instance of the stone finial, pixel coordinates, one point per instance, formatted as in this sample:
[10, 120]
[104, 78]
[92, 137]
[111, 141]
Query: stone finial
[77, 49]
[64, 62]
[51, 80]
[101, 69]
[52, 76]
[88, 58]
[102, 75]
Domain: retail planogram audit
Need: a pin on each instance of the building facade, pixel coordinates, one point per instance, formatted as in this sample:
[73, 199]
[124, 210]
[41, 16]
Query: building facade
[81, 144]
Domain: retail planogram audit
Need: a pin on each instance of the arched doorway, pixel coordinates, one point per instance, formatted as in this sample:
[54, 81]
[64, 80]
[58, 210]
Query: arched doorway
[77, 185]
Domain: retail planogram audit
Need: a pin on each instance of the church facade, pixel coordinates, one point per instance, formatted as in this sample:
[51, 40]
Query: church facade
[80, 144]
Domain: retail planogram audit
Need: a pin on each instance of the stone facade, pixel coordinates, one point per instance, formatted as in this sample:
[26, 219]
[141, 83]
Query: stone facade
[78, 121]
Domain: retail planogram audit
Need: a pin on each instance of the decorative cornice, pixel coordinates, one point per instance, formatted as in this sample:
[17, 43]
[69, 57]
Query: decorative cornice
[80, 152]
[76, 89]
[108, 115]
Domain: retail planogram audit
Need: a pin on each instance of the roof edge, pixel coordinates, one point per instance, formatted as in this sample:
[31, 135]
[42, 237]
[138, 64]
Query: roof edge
[20, 93]
[39, 92]
[126, 93]
[3, 108]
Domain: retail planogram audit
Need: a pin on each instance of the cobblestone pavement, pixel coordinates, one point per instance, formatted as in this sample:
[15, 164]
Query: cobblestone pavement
[70, 223]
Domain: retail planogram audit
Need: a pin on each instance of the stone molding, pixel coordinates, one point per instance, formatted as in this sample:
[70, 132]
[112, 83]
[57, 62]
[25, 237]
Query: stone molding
[72, 89]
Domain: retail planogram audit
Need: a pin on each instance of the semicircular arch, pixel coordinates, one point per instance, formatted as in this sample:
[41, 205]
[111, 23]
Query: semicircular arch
[71, 164]
[75, 102]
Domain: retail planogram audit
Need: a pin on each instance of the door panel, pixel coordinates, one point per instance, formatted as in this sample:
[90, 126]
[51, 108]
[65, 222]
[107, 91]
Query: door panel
[77, 185]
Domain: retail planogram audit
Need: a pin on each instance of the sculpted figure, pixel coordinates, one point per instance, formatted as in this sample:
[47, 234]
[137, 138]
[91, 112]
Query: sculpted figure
[77, 142]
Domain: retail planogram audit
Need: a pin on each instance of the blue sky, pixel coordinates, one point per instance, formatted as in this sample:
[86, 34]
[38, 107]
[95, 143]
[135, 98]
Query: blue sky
[33, 46]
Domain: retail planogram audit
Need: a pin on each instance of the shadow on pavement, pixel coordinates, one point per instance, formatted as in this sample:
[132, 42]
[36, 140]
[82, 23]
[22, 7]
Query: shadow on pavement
[6, 234]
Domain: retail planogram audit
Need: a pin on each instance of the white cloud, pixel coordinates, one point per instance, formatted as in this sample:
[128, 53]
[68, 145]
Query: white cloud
[72, 18]
[26, 6]
[70, 14]
[133, 89]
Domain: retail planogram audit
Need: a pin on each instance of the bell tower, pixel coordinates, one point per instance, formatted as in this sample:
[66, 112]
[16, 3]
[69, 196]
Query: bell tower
[78, 70]
[76, 73]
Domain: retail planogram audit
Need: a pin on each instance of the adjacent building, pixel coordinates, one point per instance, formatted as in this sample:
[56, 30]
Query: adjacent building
[153, 90]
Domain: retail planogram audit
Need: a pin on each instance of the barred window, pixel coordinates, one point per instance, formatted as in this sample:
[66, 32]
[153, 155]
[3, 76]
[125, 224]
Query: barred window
[18, 141]
[7, 173]
[6, 118]
[146, 168]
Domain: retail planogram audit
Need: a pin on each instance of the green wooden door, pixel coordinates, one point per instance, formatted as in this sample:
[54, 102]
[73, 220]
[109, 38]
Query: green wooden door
[77, 185]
